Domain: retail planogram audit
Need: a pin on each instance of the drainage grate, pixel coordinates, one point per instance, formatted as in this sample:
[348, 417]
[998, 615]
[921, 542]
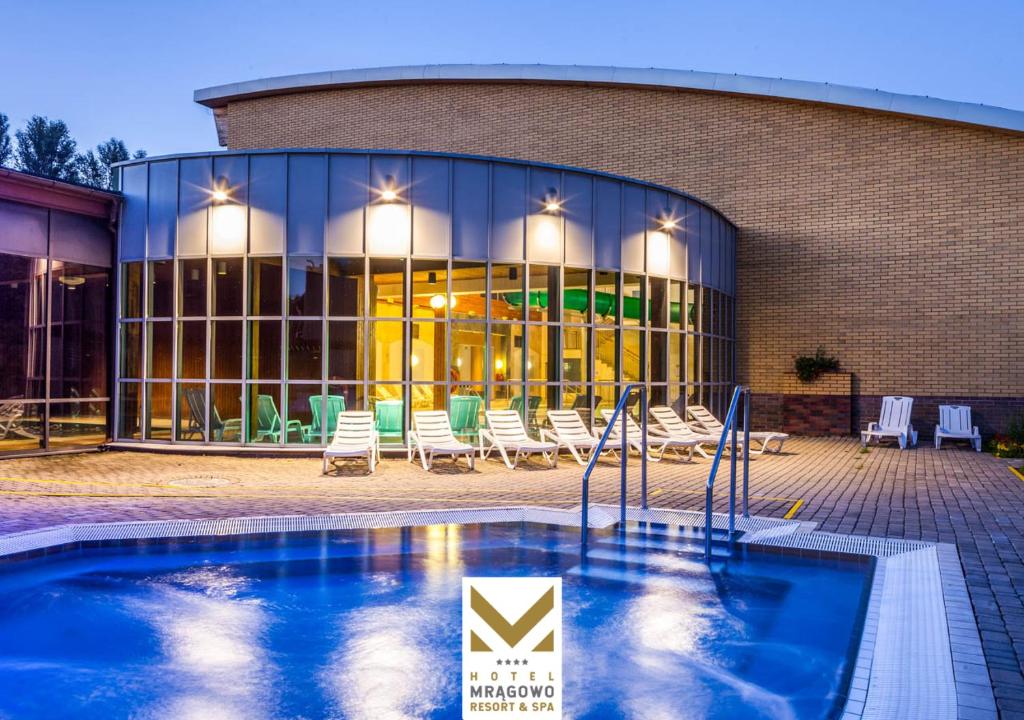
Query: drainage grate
[853, 544]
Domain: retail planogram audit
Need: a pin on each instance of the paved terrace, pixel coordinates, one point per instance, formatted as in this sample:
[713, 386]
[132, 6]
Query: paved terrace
[953, 495]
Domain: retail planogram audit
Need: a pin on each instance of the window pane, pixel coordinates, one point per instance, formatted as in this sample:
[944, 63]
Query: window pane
[466, 410]
[351, 399]
[346, 286]
[158, 420]
[632, 302]
[192, 288]
[544, 293]
[77, 424]
[507, 397]
[468, 352]
[265, 286]
[606, 294]
[632, 356]
[192, 349]
[131, 290]
[575, 344]
[300, 413]
[507, 292]
[429, 288]
[658, 303]
[427, 356]
[345, 350]
[191, 425]
[507, 352]
[542, 360]
[387, 287]
[604, 355]
[691, 359]
[705, 310]
[265, 349]
[225, 413]
[159, 349]
[305, 286]
[24, 428]
[705, 358]
[79, 311]
[305, 348]
[691, 307]
[131, 350]
[675, 354]
[266, 425]
[659, 351]
[542, 398]
[387, 359]
[388, 407]
[469, 291]
[130, 405]
[226, 346]
[161, 288]
[428, 397]
[227, 287]
[676, 308]
[576, 298]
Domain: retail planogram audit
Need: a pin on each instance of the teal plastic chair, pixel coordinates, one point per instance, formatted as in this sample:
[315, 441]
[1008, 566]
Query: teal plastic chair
[534, 404]
[335, 405]
[465, 416]
[388, 419]
[268, 421]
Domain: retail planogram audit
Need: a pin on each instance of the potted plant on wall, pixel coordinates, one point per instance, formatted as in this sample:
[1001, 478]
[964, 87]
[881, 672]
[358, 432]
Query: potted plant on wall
[810, 367]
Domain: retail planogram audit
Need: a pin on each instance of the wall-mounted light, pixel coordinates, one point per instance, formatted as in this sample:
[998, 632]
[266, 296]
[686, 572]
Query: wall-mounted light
[221, 191]
[222, 267]
[438, 301]
[552, 205]
[667, 222]
[499, 364]
[432, 278]
[389, 191]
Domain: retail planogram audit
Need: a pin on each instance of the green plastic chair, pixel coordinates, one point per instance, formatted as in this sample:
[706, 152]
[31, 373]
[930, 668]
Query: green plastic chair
[268, 421]
[465, 416]
[335, 405]
[516, 404]
[388, 418]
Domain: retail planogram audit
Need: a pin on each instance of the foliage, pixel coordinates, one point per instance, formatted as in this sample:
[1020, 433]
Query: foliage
[6, 151]
[809, 367]
[45, 147]
[91, 170]
[1011, 443]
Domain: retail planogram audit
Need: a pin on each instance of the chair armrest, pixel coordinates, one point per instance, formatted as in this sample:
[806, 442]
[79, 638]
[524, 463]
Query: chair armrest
[412, 438]
[654, 430]
[872, 426]
[488, 435]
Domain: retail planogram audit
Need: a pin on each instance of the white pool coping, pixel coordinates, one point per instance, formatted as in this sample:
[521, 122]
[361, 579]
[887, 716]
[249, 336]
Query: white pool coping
[920, 653]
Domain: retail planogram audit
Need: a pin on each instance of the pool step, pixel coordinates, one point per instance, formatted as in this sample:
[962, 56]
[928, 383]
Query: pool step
[693, 547]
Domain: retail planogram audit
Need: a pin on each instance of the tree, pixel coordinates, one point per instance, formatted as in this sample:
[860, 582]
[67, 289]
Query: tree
[107, 153]
[46, 147]
[5, 141]
[91, 170]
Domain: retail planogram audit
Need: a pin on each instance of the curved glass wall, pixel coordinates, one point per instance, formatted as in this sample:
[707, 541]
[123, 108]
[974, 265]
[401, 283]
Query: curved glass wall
[261, 293]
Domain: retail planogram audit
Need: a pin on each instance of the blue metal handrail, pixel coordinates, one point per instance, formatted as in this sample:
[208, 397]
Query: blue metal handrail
[599, 448]
[709, 488]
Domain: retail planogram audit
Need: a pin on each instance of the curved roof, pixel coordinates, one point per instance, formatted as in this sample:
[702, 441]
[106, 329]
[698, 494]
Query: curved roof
[799, 90]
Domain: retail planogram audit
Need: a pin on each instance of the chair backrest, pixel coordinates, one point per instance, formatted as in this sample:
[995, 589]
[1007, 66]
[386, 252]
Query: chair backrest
[354, 429]
[196, 406]
[955, 418]
[581, 401]
[465, 410]
[703, 416]
[671, 422]
[569, 426]
[268, 419]
[895, 412]
[335, 405]
[433, 427]
[388, 414]
[506, 426]
[516, 404]
[633, 431]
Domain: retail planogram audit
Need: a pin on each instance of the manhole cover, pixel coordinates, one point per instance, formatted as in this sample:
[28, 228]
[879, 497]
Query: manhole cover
[200, 482]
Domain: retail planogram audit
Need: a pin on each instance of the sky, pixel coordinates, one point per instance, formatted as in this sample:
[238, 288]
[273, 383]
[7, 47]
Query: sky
[128, 69]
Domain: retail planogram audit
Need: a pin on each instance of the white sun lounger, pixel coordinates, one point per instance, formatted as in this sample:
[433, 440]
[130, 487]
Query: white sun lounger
[354, 437]
[657, 444]
[955, 424]
[569, 431]
[432, 436]
[505, 432]
[673, 426]
[710, 424]
[893, 422]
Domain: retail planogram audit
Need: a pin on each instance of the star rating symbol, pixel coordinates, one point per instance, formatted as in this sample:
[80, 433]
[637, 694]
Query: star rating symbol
[513, 662]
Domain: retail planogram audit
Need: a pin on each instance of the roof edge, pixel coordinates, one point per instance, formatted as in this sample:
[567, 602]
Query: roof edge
[920, 106]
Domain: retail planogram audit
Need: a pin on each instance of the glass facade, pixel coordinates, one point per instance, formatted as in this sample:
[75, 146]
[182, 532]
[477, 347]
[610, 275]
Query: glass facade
[400, 282]
[55, 310]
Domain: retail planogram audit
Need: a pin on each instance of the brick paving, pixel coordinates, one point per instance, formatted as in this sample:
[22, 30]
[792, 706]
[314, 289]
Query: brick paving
[953, 495]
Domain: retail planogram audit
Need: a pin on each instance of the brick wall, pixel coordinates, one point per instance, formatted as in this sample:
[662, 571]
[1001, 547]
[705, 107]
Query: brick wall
[895, 243]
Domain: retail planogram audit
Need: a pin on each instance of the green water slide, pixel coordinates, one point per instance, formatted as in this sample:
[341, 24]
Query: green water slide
[604, 303]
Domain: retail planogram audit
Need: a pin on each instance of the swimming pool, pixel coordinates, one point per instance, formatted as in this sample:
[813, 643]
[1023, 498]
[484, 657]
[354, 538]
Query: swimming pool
[366, 624]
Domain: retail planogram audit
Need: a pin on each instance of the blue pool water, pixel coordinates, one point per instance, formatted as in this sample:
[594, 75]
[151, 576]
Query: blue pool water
[366, 624]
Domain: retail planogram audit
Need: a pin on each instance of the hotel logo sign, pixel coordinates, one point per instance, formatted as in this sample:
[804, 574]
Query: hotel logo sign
[511, 648]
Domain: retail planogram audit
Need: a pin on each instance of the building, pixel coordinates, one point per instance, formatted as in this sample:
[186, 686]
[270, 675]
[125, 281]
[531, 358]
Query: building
[536, 236]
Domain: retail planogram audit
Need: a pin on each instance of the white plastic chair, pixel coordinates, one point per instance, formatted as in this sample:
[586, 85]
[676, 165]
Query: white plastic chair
[955, 424]
[893, 422]
[432, 436]
[354, 437]
[710, 424]
[569, 431]
[505, 432]
[635, 437]
[673, 426]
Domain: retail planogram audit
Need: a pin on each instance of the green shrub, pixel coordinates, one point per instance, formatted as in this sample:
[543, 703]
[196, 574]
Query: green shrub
[809, 367]
[1011, 443]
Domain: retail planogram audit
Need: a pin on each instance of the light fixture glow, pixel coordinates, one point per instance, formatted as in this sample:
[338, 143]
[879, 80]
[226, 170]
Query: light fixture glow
[499, 364]
[219, 196]
[437, 301]
[551, 203]
[669, 224]
[458, 362]
[413, 360]
[389, 192]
